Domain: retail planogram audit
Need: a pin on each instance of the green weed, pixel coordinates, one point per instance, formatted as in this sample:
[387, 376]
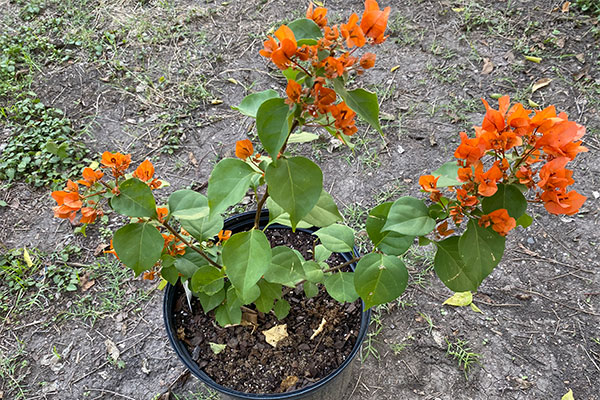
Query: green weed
[41, 149]
[13, 371]
[461, 352]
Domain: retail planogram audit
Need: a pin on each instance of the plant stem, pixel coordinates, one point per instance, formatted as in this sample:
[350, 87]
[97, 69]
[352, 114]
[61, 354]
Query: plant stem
[190, 245]
[259, 207]
[332, 269]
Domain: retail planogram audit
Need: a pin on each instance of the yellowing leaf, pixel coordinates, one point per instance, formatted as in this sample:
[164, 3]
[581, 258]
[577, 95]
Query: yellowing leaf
[533, 59]
[216, 347]
[162, 284]
[395, 67]
[460, 299]
[495, 96]
[540, 84]
[568, 395]
[27, 257]
[94, 164]
[533, 104]
[475, 308]
[458, 9]
[216, 101]
[275, 334]
[233, 81]
[319, 3]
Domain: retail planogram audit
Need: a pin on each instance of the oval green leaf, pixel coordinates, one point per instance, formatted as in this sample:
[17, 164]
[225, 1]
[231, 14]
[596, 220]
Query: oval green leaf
[138, 246]
[389, 242]
[246, 256]
[188, 205]
[135, 199]
[324, 213]
[272, 125]
[295, 184]
[409, 216]
[340, 286]
[337, 238]
[249, 106]
[228, 184]
[379, 279]
[286, 267]
[508, 197]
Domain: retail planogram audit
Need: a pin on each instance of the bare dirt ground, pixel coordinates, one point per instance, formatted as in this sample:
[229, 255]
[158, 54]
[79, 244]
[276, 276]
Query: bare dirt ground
[157, 79]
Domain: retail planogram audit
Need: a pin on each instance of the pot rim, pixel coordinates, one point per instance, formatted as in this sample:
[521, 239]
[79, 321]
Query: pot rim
[235, 223]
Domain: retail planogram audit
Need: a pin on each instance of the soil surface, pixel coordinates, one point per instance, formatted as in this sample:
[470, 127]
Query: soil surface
[161, 85]
[248, 363]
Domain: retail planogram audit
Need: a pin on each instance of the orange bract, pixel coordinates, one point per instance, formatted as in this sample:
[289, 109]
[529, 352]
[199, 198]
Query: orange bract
[344, 118]
[487, 180]
[280, 53]
[88, 215]
[117, 162]
[90, 177]
[162, 213]
[374, 21]
[293, 91]
[500, 220]
[442, 229]
[145, 171]
[353, 33]
[224, 235]
[317, 15]
[243, 149]
[428, 183]
[367, 60]
[563, 203]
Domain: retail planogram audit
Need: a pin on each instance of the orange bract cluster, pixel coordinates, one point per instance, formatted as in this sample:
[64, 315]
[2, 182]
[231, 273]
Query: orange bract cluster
[173, 246]
[526, 147]
[70, 201]
[330, 58]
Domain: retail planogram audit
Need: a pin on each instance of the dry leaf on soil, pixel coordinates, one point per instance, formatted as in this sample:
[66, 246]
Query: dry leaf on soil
[288, 383]
[275, 334]
[540, 84]
[112, 349]
[565, 6]
[85, 282]
[488, 66]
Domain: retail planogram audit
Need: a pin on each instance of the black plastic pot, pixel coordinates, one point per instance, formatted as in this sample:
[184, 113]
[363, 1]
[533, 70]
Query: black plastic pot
[335, 386]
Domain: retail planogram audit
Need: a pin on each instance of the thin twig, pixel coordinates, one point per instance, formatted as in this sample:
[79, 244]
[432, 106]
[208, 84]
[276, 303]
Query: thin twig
[190, 245]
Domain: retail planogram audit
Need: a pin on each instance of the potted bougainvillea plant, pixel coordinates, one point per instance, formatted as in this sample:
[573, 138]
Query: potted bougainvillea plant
[234, 270]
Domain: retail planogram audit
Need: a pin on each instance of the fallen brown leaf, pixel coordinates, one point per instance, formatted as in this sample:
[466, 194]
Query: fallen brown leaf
[275, 334]
[85, 282]
[488, 66]
[565, 6]
[288, 383]
[540, 83]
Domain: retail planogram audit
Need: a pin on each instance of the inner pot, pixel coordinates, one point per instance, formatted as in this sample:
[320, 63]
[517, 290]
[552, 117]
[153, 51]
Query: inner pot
[336, 385]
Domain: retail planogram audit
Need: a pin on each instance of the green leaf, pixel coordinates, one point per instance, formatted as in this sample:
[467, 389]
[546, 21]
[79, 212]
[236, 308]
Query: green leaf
[188, 205]
[295, 184]
[246, 256]
[203, 228]
[463, 262]
[337, 238]
[524, 220]
[272, 125]
[361, 101]
[282, 308]
[189, 263]
[228, 184]
[409, 216]
[324, 213]
[249, 106]
[290, 74]
[207, 279]
[249, 296]
[138, 246]
[450, 268]
[460, 299]
[508, 197]
[227, 316]
[170, 274]
[211, 302]
[302, 137]
[268, 293]
[321, 253]
[389, 242]
[286, 267]
[277, 215]
[306, 31]
[448, 174]
[340, 286]
[310, 289]
[481, 250]
[379, 279]
[134, 200]
[216, 347]
[313, 271]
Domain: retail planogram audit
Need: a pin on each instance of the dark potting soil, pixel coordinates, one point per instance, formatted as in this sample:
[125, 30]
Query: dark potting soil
[248, 363]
